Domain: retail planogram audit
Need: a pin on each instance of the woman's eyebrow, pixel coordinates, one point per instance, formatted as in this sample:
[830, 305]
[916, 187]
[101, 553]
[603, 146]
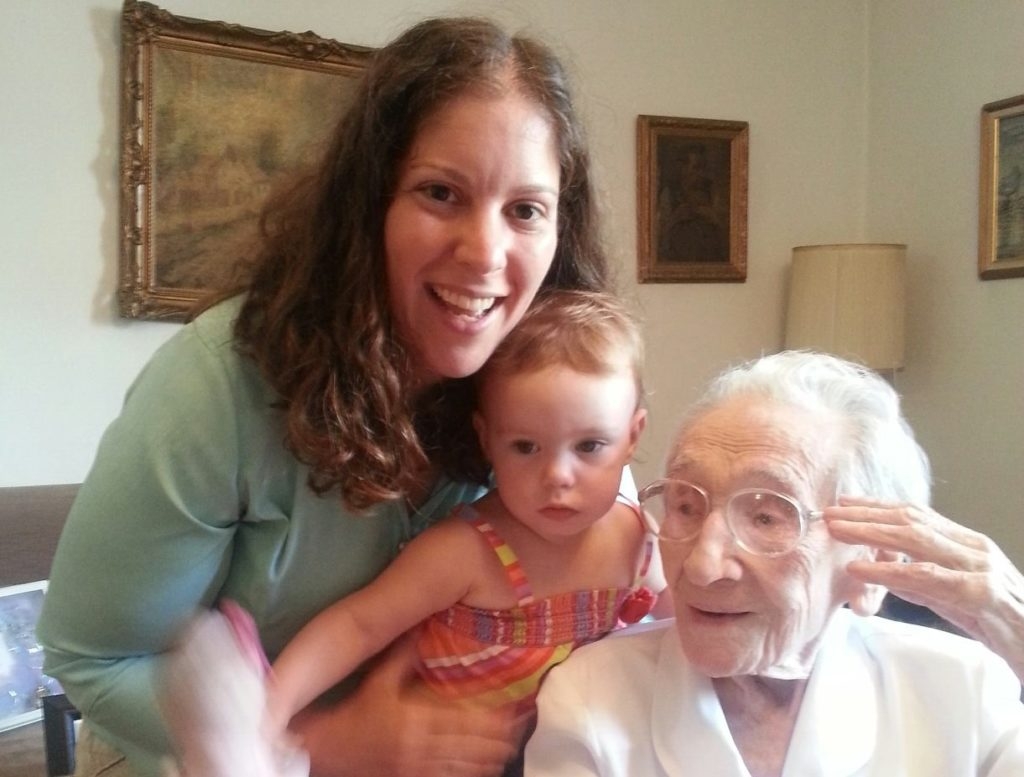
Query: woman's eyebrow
[757, 477]
[426, 166]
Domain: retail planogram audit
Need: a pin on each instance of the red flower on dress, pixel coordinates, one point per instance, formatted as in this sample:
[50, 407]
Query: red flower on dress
[637, 605]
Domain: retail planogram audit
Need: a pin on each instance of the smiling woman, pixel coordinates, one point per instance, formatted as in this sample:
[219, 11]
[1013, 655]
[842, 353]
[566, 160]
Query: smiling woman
[284, 445]
[471, 230]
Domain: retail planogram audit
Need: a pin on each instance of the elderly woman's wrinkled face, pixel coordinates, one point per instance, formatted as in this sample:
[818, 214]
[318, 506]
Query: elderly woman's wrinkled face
[738, 613]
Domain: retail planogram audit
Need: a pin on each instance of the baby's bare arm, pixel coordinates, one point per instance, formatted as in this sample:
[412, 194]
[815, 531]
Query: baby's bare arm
[433, 572]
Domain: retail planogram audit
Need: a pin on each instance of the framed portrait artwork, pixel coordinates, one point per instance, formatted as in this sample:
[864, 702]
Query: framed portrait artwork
[691, 199]
[213, 117]
[1001, 202]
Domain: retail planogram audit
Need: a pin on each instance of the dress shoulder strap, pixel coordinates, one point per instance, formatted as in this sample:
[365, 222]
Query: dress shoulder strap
[507, 557]
[649, 539]
[641, 599]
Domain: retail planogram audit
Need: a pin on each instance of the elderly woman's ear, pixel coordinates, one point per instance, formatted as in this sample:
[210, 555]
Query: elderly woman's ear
[866, 598]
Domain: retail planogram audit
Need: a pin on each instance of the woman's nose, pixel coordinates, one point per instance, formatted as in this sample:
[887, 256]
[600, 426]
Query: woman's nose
[482, 242]
[710, 556]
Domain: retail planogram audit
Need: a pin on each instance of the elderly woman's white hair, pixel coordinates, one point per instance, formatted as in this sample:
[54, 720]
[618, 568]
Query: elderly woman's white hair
[883, 460]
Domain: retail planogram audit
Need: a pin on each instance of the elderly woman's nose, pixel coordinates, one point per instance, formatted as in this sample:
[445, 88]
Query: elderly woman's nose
[709, 556]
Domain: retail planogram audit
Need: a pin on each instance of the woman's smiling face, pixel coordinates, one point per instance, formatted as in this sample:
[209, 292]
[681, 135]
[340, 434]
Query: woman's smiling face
[471, 230]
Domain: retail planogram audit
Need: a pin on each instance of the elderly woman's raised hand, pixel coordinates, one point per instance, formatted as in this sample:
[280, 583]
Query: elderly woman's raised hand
[929, 560]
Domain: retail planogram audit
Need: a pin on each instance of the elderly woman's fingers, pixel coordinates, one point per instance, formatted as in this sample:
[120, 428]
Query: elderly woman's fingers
[987, 604]
[927, 559]
[955, 595]
[875, 512]
[917, 532]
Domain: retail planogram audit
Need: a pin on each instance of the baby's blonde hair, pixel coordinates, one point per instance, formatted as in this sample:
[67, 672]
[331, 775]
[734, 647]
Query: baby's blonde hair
[590, 332]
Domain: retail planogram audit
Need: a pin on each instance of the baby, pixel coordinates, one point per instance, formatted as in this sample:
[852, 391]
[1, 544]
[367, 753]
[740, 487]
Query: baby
[505, 588]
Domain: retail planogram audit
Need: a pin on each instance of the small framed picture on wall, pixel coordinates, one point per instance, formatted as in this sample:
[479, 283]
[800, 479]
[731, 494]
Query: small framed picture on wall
[1001, 200]
[691, 199]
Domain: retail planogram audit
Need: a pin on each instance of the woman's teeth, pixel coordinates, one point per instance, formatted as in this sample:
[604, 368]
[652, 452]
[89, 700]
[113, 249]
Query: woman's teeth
[470, 306]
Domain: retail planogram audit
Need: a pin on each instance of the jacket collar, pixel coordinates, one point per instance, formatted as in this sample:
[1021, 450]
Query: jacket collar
[836, 728]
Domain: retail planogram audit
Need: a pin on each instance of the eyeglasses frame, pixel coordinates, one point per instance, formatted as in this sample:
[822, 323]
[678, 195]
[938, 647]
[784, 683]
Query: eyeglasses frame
[806, 515]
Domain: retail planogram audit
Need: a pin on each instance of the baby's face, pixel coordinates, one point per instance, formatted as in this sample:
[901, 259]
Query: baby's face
[558, 440]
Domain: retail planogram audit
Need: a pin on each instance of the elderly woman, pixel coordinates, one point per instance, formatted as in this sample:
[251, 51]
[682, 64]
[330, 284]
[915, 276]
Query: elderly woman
[794, 497]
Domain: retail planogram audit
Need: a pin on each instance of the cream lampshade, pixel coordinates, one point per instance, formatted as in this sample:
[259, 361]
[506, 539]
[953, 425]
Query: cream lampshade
[849, 300]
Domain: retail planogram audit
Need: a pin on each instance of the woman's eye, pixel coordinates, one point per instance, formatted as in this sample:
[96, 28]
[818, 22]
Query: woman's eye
[525, 211]
[439, 192]
[689, 509]
[764, 520]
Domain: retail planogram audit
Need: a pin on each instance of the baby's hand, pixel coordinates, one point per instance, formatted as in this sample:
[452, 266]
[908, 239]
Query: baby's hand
[213, 698]
[277, 710]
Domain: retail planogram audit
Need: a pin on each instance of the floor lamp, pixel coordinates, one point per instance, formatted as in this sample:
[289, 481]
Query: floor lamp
[849, 300]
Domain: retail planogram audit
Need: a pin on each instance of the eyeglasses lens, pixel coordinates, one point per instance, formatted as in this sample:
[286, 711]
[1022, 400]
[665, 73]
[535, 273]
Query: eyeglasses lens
[678, 510]
[764, 522]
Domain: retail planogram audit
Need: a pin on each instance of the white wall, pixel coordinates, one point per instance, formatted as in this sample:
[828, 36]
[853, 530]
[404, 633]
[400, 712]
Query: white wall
[934, 64]
[797, 70]
[67, 358]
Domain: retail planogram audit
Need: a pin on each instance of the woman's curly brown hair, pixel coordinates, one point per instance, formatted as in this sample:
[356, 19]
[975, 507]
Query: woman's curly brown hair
[315, 314]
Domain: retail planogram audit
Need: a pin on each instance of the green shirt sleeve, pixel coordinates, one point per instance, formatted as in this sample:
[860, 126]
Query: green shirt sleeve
[148, 540]
[194, 497]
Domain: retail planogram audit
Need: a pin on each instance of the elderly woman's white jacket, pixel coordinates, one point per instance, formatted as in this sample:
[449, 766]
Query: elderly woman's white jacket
[885, 699]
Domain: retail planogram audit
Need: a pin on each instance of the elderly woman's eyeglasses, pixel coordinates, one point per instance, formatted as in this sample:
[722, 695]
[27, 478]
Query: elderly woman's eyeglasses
[763, 522]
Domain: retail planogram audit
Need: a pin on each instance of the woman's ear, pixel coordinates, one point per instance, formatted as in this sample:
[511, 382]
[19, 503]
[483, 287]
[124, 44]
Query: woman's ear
[866, 598]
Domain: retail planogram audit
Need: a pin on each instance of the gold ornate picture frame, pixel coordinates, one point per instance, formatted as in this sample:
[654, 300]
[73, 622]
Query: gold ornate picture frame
[213, 117]
[1001, 200]
[691, 199]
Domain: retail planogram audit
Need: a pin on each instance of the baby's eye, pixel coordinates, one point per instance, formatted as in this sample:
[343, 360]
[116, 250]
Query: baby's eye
[523, 446]
[590, 446]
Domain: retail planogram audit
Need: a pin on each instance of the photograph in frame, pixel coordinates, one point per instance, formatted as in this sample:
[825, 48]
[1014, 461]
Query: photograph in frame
[22, 682]
[691, 199]
[214, 117]
[1001, 201]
